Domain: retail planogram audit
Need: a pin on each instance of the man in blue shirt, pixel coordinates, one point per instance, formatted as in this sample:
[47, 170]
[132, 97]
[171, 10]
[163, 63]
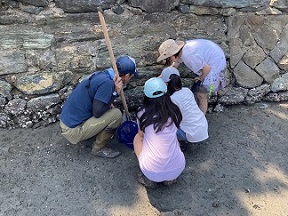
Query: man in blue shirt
[89, 111]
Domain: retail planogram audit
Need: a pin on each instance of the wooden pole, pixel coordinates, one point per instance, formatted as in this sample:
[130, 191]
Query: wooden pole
[112, 58]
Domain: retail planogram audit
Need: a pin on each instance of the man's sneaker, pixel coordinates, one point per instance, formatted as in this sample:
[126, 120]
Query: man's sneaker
[142, 179]
[106, 153]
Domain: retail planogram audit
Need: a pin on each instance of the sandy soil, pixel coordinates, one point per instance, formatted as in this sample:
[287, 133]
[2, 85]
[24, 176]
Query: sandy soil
[241, 170]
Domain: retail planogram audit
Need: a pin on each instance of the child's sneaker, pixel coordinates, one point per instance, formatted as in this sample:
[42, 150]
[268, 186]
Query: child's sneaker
[142, 179]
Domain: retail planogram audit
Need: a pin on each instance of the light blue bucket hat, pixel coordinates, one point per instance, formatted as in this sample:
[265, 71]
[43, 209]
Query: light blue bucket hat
[155, 87]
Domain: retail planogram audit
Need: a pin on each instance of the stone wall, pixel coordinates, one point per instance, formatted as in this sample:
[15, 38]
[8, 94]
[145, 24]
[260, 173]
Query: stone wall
[47, 46]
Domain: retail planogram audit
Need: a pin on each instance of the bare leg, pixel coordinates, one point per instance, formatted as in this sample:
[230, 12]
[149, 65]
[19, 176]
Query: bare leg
[138, 143]
[202, 100]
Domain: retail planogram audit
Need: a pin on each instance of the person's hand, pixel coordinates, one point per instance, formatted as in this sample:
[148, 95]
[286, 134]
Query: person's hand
[205, 71]
[112, 106]
[118, 83]
[196, 84]
[197, 79]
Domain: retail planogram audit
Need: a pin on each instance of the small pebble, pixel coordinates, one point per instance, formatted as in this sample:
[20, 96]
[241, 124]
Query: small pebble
[215, 204]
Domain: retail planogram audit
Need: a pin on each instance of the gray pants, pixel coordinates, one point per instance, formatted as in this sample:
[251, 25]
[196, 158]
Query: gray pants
[104, 127]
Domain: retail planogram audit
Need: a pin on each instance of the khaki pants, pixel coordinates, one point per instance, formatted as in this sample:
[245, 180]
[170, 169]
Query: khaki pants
[104, 127]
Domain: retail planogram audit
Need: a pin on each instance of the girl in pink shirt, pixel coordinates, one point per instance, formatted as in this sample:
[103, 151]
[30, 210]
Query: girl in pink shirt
[156, 145]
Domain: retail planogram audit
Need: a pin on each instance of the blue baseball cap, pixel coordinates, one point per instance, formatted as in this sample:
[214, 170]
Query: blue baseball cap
[126, 64]
[154, 87]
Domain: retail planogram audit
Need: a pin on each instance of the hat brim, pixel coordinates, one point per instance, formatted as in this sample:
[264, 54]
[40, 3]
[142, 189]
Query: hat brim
[164, 56]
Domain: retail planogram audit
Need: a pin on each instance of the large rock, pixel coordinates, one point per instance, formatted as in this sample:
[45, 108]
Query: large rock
[25, 39]
[246, 77]
[254, 56]
[38, 3]
[267, 37]
[41, 83]
[151, 6]
[43, 102]
[233, 96]
[280, 84]
[16, 107]
[256, 94]
[12, 61]
[5, 89]
[236, 52]
[41, 59]
[283, 63]
[268, 70]
[81, 57]
[82, 6]
[229, 3]
[281, 47]
[280, 4]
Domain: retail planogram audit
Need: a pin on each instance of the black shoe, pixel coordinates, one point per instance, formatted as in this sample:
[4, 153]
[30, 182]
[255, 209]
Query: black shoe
[183, 145]
[142, 179]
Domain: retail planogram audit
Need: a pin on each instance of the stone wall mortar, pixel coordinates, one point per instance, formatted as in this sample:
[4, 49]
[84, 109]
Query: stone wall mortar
[48, 46]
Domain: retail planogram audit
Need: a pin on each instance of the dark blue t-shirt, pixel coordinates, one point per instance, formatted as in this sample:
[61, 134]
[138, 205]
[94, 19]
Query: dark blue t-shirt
[78, 107]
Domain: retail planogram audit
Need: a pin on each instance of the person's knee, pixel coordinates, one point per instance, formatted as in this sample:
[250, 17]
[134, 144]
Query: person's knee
[202, 96]
[116, 119]
[117, 114]
[72, 138]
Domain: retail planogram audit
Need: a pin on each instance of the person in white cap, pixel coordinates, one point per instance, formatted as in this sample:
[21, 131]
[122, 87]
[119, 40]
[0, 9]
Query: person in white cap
[204, 57]
[194, 125]
[89, 111]
[156, 146]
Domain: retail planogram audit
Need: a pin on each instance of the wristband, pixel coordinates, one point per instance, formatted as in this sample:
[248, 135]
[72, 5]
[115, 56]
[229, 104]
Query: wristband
[115, 94]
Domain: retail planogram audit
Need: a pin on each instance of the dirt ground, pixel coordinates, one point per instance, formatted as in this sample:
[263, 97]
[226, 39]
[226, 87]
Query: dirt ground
[242, 169]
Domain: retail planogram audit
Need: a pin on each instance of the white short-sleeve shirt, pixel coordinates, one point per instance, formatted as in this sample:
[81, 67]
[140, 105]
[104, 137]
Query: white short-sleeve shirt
[194, 122]
[199, 52]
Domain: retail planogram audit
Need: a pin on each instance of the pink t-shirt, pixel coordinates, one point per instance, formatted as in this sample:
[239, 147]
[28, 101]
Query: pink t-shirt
[161, 158]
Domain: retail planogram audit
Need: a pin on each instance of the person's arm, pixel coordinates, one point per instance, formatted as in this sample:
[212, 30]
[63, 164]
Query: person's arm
[205, 71]
[99, 108]
[118, 84]
[141, 133]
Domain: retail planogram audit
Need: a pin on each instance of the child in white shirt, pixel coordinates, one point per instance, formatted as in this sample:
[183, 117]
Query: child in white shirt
[194, 126]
